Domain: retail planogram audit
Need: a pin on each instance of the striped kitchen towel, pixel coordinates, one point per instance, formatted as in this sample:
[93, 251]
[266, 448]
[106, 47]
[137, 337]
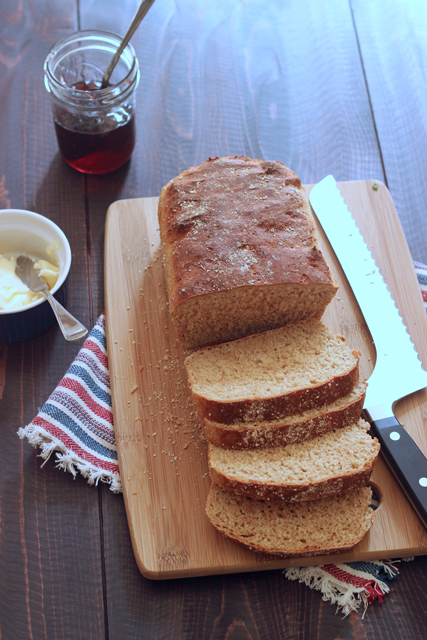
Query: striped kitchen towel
[348, 585]
[76, 422]
[421, 271]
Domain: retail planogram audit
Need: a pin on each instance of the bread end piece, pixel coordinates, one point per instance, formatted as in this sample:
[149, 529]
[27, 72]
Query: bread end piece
[319, 527]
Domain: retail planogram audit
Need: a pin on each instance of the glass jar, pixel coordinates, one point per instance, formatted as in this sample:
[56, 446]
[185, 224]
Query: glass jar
[95, 127]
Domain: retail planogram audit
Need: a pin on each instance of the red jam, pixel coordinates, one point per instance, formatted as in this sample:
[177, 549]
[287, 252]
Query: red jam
[95, 145]
[94, 151]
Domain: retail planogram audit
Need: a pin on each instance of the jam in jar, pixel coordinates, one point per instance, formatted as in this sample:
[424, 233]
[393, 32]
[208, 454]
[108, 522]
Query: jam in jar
[95, 126]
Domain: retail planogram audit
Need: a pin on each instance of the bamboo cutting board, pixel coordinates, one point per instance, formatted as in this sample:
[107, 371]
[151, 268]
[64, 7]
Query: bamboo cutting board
[163, 460]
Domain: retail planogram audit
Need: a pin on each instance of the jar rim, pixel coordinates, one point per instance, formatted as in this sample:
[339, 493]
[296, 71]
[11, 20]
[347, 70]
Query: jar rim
[61, 90]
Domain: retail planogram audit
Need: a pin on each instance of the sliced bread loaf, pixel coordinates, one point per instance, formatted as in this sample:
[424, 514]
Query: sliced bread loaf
[273, 374]
[310, 528]
[337, 462]
[241, 250]
[296, 428]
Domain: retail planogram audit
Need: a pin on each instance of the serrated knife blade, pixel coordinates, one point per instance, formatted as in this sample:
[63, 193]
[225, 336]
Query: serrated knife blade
[398, 370]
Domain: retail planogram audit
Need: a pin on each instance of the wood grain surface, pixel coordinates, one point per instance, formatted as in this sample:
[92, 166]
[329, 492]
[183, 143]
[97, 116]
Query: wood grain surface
[394, 65]
[316, 85]
[46, 518]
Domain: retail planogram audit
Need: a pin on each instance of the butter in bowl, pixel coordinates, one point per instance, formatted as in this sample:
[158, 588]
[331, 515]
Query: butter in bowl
[14, 294]
[23, 313]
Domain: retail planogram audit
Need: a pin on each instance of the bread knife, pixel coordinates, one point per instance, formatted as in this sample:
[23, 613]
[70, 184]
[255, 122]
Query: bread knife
[398, 370]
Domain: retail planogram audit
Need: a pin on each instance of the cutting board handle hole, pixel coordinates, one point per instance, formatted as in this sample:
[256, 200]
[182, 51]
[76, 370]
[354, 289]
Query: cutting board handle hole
[377, 496]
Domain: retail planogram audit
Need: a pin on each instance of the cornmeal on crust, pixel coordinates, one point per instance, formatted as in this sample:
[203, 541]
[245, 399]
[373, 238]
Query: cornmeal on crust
[337, 462]
[299, 427]
[241, 251]
[272, 375]
[310, 528]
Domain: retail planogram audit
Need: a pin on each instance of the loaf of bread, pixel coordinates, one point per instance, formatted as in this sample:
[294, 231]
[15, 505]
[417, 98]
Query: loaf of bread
[241, 251]
[296, 428]
[310, 528]
[337, 462]
[271, 375]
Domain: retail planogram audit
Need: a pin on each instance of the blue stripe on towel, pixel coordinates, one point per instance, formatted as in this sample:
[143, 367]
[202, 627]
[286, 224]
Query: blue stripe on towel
[59, 416]
[80, 372]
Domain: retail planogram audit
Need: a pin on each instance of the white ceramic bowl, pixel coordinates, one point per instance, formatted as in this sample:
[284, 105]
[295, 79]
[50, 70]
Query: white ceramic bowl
[28, 233]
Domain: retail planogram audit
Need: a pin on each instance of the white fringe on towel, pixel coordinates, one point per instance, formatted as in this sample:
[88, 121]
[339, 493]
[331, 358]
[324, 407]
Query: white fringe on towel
[348, 597]
[66, 460]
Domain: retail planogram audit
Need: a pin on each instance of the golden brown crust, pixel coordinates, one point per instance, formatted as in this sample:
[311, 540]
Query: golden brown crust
[280, 406]
[217, 214]
[236, 222]
[276, 433]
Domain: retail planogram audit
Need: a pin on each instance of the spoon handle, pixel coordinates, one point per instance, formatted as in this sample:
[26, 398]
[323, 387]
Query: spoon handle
[140, 14]
[71, 328]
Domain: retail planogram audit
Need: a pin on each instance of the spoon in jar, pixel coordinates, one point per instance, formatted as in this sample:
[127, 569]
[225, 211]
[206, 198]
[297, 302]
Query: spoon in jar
[140, 14]
[71, 328]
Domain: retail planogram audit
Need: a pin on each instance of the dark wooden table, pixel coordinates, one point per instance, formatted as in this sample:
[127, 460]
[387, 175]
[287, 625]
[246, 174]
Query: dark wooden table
[326, 87]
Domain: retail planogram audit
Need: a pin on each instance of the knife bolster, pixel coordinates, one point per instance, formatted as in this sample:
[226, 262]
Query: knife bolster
[378, 413]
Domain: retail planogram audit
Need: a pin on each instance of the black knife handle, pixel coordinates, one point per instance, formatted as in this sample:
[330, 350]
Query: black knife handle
[406, 460]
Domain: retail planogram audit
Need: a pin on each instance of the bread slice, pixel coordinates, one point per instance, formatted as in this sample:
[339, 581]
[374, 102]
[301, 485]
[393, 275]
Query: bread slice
[241, 250]
[310, 528]
[272, 375]
[296, 428]
[337, 462]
